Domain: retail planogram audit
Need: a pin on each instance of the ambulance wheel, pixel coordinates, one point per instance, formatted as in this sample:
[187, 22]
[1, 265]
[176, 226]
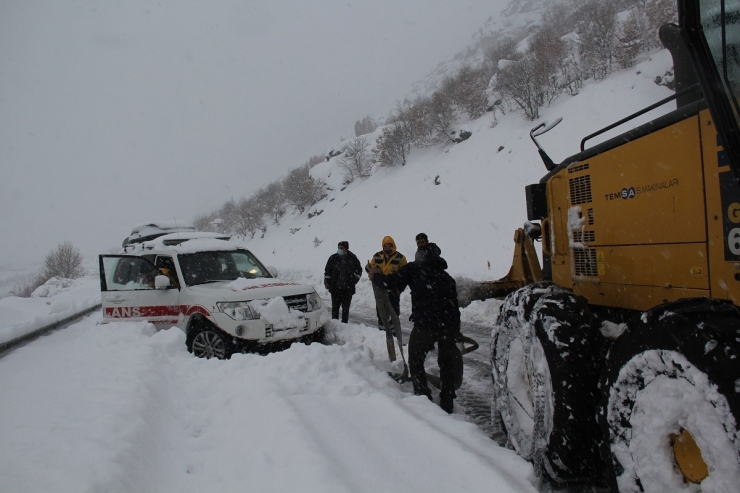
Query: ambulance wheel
[319, 335]
[670, 411]
[206, 341]
[546, 358]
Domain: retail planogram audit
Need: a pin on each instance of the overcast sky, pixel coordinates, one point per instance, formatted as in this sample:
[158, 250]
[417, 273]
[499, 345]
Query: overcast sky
[116, 113]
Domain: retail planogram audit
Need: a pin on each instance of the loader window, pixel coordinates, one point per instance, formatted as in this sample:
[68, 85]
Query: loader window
[720, 20]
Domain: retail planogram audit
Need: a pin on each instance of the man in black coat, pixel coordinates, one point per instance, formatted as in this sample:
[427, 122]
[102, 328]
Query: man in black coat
[342, 272]
[436, 316]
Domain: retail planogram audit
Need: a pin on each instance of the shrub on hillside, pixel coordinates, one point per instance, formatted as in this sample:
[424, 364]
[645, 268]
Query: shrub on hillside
[365, 126]
[64, 262]
[356, 160]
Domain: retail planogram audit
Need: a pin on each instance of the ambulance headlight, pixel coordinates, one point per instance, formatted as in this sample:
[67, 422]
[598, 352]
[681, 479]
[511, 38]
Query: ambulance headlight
[313, 302]
[238, 310]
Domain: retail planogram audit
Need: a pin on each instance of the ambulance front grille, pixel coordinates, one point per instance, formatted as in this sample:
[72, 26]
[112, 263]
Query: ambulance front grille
[297, 302]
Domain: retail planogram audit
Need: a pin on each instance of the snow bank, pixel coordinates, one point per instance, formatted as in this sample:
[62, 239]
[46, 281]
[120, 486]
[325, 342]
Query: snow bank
[56, 300]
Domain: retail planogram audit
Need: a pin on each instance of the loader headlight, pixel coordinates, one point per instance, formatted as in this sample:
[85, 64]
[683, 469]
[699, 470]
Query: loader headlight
[313, 302]
[238, 310]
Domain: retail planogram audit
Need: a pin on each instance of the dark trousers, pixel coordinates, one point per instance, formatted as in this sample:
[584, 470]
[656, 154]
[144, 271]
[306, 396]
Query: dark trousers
[449, 359]
[395, 299]
[340, 299]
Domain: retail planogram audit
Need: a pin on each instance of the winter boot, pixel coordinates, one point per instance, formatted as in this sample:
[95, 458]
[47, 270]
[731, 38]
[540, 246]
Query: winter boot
[447, 403]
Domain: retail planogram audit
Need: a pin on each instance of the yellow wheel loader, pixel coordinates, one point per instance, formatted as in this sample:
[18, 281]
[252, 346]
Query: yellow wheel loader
[618, 356]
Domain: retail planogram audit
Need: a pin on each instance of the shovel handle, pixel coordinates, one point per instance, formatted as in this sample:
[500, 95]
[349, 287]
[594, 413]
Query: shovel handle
[469, 345]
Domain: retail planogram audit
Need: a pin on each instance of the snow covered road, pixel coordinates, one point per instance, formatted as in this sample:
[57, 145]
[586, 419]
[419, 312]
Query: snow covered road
[474, 397]
[121, 407]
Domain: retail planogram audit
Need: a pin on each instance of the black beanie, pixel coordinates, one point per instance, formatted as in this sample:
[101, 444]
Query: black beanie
[345, 244]
[422, 236]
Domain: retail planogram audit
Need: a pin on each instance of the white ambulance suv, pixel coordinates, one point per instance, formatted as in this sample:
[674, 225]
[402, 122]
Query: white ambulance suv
[218, 292]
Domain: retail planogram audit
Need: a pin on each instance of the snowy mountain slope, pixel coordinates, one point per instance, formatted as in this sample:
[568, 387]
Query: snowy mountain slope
[479, 202]
[513, 21]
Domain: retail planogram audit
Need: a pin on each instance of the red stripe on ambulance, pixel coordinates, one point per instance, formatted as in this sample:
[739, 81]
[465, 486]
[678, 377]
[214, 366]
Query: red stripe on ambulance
[189, 310]
[141, 311]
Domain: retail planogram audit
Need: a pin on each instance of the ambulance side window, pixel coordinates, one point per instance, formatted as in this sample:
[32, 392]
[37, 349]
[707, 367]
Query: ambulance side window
[128, 273]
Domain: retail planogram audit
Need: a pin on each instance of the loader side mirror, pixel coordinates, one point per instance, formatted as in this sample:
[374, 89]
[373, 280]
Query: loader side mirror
[541, 129]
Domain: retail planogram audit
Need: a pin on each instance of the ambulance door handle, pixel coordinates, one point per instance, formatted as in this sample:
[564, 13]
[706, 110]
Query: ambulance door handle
[116, 298]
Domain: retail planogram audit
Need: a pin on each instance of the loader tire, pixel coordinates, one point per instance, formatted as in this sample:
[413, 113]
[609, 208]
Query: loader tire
[671, 400]
[546, 357]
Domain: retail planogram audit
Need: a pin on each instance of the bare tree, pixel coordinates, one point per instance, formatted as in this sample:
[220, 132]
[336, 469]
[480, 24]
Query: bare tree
[229, 215]
[470, 94]
[527, 83]
[442, 117]
[248, 218]
[301, 191]
[597, 31]
[657, 13]
[273, 201]
[559, 18]
[365, 126]
[410, 121]
[205, 222]
[64, 262]
[390, 148]
[550, 54]
[504, 49]
[356, 159]
[629, 36]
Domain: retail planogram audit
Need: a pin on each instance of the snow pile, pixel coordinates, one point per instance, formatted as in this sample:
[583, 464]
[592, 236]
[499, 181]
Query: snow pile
[120, 407]
[51, 302]
[243, 284]
[277, 313]
[207, 244]
[52, 287]
[481, 312]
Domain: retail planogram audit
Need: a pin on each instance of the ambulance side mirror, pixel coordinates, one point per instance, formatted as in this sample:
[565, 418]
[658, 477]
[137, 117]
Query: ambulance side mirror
[162, 282]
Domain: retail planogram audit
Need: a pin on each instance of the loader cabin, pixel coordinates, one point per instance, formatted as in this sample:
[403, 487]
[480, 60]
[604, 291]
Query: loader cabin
[653, 215]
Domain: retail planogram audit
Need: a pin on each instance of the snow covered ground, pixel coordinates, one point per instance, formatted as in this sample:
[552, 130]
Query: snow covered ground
[121, 407]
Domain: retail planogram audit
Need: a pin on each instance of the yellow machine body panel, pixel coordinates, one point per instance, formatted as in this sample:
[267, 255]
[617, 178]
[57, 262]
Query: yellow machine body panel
[646, 222]
[723, 217]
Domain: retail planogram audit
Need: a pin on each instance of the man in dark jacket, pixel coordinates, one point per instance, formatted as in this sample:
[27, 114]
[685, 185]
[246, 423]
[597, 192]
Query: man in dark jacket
[423, 246]
[436, 316]
[342, 272]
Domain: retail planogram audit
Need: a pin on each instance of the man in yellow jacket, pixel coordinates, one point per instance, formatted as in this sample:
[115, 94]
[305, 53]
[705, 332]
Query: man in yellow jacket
[389, 260]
